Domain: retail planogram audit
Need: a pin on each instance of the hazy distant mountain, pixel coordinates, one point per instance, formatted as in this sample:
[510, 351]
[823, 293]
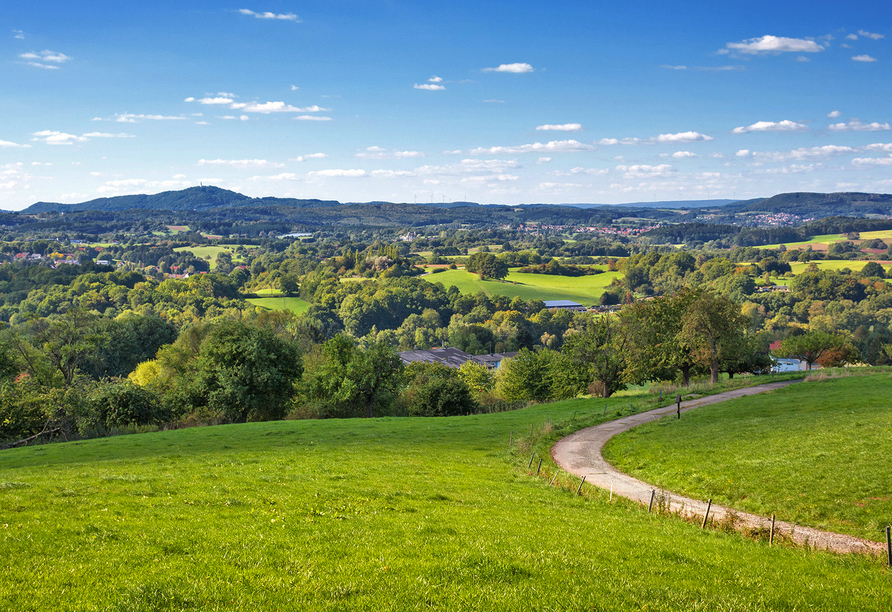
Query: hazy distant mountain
[211, 198]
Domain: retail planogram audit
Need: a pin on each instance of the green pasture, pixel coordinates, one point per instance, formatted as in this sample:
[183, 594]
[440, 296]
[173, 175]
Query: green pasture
[815, 453]
[822, 239]
[210, 251]
[374, 514]
[294, 304]
[583, 289]
[832, 264]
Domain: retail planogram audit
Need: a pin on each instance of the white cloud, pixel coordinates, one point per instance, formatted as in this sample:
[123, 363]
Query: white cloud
[683, 154]
[301, 158]
[581, 170]
[294, 88]
[268, 15]
[189, 99]
[18, 34]
[107, 135]
[220, 100]
[870, 35]
[645, 171]
[872, 161]
[490, 178]
[804, 153]
[240, 163]
[856, 126]
[743, 153]
[274, 107]
[775, 44]
[142, 185]
[401, 154]
[864, 58]
[5, 144]
[668, 67]
[429, 87]
[852, 37]
[543, 160]
[683, 137]
[834, 114]
[339, 173]
[771, 126]
[493, 101]
[548, 186]
[38, 60]
[312, 118]
[517, 68]
[564, 127]
[435, 79]
[57, 138]
[132, 118]
[879, 146]
[392, 173]
[284, 176]
[555, 146]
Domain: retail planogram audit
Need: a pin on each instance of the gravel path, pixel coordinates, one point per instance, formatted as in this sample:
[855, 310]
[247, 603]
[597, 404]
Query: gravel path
[580, 454]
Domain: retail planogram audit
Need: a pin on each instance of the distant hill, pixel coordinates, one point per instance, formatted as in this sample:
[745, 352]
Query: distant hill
[816, 205]
[819, 205]
[192, 198]
[664, 204]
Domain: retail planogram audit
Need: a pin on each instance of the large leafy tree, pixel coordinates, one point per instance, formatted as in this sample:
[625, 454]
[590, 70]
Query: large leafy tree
[714, 327]
[487, 265]
[657, 348]
[812, 346]
[344, 380]
[598, 356]
[244, 372]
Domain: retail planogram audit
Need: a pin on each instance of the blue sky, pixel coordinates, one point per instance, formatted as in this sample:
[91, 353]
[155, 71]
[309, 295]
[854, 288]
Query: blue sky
[495, 102]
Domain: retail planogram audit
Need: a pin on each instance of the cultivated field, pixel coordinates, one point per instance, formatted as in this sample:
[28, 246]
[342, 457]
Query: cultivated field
[815, 454]
[583, 289]
[377, 514]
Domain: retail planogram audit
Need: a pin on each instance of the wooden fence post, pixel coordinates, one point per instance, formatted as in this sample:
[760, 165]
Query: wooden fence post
[771, 533]
[651, 504]
[706, 516]
[580, 485]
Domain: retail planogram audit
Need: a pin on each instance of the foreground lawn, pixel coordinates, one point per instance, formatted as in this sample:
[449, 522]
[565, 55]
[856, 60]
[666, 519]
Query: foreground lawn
[382, 514]
[816, 453]
[583, 289]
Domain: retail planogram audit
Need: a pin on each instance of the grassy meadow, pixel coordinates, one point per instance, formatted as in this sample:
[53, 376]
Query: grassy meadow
[815, 453]
[294, 304]
[583, 289]
[374, 514]
[210, 252]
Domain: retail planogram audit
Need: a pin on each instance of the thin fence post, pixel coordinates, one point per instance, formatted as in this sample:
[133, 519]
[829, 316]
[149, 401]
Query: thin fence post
[580, 485]
[771, 533]
[651, 504]
[538, 469]
[678, 405]
[889, 544]
[530, 464]
[706, 516]
[553, 478]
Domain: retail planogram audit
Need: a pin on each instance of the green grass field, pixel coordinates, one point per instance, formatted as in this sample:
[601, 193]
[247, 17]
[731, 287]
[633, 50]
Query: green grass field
[832, 264]
[205, 251]
[584, 289]
[379, 514]
[294, 304]
[815, 454]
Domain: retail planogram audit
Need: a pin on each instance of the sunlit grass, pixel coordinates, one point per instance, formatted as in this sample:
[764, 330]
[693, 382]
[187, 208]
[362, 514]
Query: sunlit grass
[583, 289]
[815, 453]
[378, 514]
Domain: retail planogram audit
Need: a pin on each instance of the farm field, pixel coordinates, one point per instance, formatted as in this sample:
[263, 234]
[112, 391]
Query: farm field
[210, 252]
[823, 242]
[815, 454]
[583, 289]
[294, 304]
[372, 514]
[834, 264]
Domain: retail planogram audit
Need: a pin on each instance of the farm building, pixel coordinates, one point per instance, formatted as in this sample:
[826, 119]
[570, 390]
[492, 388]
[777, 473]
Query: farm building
[453, 357]
[564, 305]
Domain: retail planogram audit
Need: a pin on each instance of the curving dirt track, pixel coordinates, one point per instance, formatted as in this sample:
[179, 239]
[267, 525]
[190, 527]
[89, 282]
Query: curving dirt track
[580, 454]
